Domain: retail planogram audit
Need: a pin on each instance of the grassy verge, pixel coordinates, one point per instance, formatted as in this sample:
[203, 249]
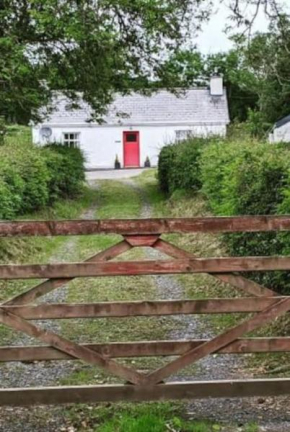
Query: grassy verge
[146, 417]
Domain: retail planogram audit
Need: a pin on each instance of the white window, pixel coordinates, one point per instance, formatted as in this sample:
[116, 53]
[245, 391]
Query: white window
[181, 135]
[71, 139]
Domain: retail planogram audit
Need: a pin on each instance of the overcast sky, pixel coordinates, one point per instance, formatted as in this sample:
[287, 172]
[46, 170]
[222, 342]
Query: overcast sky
[213, 38]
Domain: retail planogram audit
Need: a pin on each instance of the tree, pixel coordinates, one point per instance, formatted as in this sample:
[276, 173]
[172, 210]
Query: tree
[96, 47]
[245, 12]
[266, 63]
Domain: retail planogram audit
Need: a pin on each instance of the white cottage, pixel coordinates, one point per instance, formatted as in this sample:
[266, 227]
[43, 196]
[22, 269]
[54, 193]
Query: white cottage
[281, 131]
[136, 127]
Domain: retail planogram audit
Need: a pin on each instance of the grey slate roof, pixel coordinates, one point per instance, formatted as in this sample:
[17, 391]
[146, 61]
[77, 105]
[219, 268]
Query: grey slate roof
[196, 106]
[282, 121]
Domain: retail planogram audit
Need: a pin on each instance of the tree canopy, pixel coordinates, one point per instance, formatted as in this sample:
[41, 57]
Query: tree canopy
[100, 47]
[96, 47]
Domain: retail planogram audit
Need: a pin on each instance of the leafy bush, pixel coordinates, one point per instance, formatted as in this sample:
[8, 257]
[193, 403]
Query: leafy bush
[237, 178]
[24, 172]
[250, 179]
[165, 161]
[32, 177]
[179, 166]
[66, 165]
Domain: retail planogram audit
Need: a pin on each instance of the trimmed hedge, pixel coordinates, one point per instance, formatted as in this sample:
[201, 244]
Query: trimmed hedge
[165, 161]
[250, 179]
[242, 178]
[179, 166]
[66, 166]
[33, 177]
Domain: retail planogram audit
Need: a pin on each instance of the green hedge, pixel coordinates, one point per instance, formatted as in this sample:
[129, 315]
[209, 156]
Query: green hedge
[165, 161]
[179, 167]
[241, 178]
[250, 179]
[245, 178]
[66, 166]
[33, 177]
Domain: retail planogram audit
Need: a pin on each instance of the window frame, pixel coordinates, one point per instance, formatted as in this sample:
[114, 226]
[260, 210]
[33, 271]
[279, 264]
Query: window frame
[71, 141]
[183, 134]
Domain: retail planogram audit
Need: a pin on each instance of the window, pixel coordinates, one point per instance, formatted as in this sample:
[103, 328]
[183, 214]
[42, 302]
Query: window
[71, 139]
[181, 135]
[131, 137]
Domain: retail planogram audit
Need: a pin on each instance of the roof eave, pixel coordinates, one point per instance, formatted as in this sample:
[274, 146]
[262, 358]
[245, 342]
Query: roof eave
[135, 124]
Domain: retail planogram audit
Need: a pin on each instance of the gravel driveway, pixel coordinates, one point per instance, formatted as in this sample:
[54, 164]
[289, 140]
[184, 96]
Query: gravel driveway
[113, 174]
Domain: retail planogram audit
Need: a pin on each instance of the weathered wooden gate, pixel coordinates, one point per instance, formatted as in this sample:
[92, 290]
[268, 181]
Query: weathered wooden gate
[18, 312]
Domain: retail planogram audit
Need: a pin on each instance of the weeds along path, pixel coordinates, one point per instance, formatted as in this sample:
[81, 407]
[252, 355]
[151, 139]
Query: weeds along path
[272, 413]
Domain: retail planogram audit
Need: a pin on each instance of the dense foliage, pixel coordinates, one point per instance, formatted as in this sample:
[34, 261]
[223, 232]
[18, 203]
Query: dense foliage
[179, 167]
[32, 177]
[66, 167]
[240, 178]
[250, 179]
[97, 48]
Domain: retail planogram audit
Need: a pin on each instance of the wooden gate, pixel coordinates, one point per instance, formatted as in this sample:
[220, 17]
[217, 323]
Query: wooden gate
[18, 312]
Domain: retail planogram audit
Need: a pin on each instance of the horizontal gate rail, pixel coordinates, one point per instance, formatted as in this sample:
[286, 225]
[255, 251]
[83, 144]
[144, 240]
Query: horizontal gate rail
[146, 349]
[144, 308]
[264, 306]
[141, 393]
[145, 226]
[135, 268]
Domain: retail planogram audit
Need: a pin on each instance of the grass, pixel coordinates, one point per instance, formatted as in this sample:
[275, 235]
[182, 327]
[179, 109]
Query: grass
[18, 133]
[153, 418]
[143, 417]
[37, 249]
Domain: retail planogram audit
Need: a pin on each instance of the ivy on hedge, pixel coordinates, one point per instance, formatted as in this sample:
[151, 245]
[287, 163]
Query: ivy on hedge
[237, 178]
[33, 177]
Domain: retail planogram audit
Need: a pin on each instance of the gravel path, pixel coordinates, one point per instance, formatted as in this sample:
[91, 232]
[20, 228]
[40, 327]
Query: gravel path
[272, 414]
[113, 174]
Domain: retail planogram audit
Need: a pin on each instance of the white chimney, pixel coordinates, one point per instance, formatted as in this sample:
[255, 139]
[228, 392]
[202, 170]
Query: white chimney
[216, 85]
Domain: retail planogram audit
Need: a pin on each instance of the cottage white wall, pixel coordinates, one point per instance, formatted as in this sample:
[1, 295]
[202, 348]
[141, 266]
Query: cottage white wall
[101, 144]
[281, 134]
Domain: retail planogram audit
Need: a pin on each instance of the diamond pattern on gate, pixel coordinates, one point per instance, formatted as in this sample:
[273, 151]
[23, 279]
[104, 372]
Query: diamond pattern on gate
[278, 308]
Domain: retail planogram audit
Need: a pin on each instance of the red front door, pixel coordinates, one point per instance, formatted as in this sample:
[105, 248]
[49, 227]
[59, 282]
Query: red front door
[131, 149]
